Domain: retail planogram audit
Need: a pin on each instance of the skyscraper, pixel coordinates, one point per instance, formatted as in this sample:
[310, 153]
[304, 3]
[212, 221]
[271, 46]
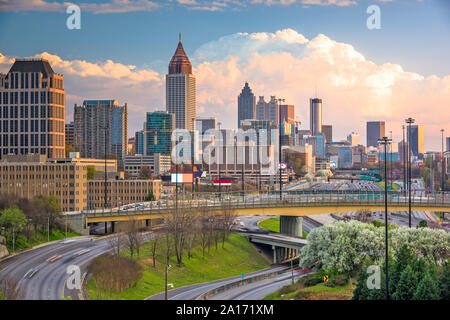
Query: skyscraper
[158, 132]
[328, 132]
[287, 113]
[375, 130]
[269, 111]
[100, 123]
[246, 105]
[353, 138]
[180, 90]
[32, 110]
[417, 139]
[315, 113]
[204, 124]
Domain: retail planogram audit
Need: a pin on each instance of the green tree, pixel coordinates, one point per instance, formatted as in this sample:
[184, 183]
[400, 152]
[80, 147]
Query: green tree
[427, 289]
[406, 286]
[422, 224]
[12, 218]
[444, 281]
[403, 258]
[150, 196]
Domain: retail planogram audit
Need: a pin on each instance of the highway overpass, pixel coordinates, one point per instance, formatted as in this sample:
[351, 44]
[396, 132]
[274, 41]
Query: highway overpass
[289, 204]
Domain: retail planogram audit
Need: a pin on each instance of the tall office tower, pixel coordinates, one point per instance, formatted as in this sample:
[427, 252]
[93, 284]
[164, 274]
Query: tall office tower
[204, 124]
[100, 124]
[32, 110]
[269, 111]
[447, 148]
[315, 114]
[375, 130]
[353, 138]
[327, 130]
[158, 132]
[246, 105]
[70, 133]
[180, 90]
[287, 113]
[417, 139]
[139, 142]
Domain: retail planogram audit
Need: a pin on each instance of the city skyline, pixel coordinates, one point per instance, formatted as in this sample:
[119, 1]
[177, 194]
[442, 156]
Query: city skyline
[290, 63]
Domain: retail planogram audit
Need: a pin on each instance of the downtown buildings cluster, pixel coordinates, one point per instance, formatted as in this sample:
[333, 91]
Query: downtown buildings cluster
[35, 142]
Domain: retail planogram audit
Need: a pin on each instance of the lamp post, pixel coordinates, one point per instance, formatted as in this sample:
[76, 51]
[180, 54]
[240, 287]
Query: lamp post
[385, 141]
[404, 159]
[409, 121]
[219, 159]
[279, 147]
[442, 161]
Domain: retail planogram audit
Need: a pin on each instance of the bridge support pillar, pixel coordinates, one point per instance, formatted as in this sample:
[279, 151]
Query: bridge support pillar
[274, 249]
[148, 222]
[106, 227]
[113, 224]
[291, 226]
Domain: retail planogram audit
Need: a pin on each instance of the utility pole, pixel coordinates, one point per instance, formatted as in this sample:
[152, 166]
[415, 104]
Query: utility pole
[385, 141]
[409, 121]
[442, 161]
[279, 147]
[219, 159]
[404, 159]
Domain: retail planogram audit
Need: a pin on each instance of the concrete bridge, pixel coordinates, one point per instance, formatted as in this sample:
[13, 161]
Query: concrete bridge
[291, 205]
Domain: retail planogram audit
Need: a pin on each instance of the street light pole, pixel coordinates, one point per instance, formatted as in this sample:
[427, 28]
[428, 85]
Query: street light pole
[404, 159]
[409, 121]
[385, 141]
[442, 160]
[279, 147]
[219, 159]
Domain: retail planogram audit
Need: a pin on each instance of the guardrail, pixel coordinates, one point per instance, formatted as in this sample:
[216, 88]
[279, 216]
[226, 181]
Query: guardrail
[286, 199]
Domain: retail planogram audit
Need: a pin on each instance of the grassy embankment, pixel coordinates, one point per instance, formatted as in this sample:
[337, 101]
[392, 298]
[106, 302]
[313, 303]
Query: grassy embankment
[307, 288]
[273, 225]
[395, 187]
[22, 243]
[238, 256]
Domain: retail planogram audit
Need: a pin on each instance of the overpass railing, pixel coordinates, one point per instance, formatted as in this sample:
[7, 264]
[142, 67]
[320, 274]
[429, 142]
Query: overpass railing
[306, 198]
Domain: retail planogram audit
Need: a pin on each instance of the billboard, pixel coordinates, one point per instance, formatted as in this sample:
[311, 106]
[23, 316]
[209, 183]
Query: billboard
[182, 178]
[223, 182]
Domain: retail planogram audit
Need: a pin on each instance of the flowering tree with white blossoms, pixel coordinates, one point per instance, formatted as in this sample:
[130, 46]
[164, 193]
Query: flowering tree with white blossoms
[343, 246]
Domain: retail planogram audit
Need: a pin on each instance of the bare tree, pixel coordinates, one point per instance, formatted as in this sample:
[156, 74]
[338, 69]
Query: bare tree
[364, 216]
[134, 238]
[228, 216]
[117, 243]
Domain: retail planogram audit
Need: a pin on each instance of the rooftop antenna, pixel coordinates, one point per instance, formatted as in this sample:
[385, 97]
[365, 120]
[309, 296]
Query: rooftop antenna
[180, 37]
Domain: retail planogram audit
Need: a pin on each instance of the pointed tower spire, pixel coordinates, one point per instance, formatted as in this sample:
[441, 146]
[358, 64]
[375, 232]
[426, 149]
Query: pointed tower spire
[180, 62]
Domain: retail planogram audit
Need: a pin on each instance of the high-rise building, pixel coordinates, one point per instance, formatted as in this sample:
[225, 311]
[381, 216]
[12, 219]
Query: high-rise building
[100, 124]
[204, 124]
[353, 138]
[447, 148]
[32, 109]
[180, 90]
[139, 142]
[158, 132]
[375, 130]
[417, 139]
[315, 114]
[328, 132]
[287, 113]
[268, 110]
[70, 133]
[246, 105]
[345, 155]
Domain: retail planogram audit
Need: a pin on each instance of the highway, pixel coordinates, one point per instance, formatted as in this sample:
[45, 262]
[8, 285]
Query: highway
[194, 291]
[41, 279]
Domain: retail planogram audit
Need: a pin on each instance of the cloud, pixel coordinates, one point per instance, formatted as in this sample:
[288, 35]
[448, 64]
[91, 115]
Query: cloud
[283, 63]
[122, 6]
[114, 6]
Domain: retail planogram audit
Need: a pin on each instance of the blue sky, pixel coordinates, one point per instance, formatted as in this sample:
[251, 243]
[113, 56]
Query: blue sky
[124, 46]
[414, 33]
